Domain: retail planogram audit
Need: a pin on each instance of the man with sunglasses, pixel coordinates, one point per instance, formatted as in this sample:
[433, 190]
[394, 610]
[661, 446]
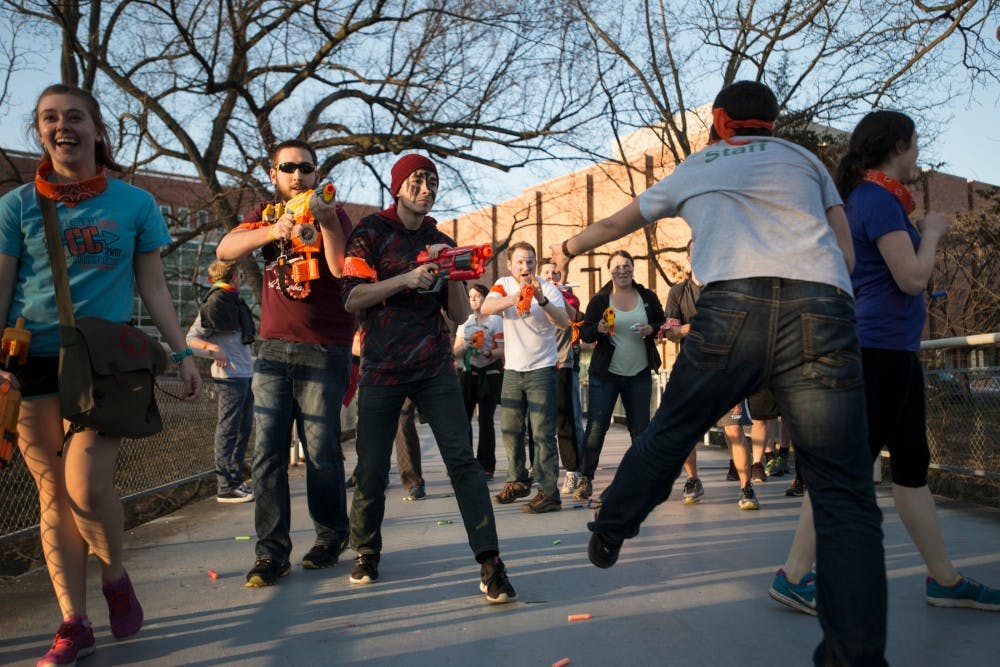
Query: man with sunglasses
[301, 371]
[406, 353]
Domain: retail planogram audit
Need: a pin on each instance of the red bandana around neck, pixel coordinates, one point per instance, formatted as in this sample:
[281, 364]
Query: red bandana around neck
[221, 284]
[897, 189]
[69, 193]
[726, 127]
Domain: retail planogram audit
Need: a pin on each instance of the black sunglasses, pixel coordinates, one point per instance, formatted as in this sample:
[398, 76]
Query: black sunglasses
[291, 167]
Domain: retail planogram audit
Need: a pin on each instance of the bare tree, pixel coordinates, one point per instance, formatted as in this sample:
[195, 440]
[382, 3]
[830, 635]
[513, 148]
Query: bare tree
[211, 85]
[827, 60]
[966, 297]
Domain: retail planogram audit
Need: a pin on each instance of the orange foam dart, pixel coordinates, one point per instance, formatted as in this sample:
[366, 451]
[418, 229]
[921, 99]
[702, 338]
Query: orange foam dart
[328, 192]
[524, 299]
[212, 574]
[609, 320]
[561, 663]
[578, 617]
[16, 340]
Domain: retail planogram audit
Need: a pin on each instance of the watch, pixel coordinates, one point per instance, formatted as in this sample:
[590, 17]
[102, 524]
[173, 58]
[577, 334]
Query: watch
[543, 303]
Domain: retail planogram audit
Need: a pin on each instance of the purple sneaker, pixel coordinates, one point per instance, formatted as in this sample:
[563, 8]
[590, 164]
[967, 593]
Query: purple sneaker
[124, 610]
[74, 639]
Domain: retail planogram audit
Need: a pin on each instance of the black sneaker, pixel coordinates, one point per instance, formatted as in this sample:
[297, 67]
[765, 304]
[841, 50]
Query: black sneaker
[732, 475]
[323, 555]
[603, 550]
[757, 473]
[365, 569]
[796, 490]
[266, 572]
[494, 582]
[417, 492]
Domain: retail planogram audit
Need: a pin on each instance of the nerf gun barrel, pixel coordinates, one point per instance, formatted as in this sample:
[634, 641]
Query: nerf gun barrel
[461, 263]
[10, 406]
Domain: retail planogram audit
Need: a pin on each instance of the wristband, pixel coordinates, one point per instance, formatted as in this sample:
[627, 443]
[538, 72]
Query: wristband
[565, 250]
[178, 356]
[543, 303]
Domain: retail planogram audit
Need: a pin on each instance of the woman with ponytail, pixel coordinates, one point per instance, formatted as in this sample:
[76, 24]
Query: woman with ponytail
[894, 261]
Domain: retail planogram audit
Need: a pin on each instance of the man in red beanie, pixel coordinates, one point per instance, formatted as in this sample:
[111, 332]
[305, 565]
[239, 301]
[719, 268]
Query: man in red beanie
[406, 353]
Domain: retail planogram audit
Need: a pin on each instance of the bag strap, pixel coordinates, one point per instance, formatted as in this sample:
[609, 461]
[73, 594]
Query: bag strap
[57, 259]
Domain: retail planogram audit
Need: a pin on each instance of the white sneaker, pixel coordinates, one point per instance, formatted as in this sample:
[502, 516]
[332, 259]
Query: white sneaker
[569, 486]
[237, 495]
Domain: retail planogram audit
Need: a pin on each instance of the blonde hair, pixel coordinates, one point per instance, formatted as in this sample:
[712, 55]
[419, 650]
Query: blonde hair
[221, 270]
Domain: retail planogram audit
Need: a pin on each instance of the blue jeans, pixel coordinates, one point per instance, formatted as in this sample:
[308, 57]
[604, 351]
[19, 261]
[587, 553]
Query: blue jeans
[232, 432]
[308, 381]
[439, 400]
[603, 392]
[798, 339]
[537, 388]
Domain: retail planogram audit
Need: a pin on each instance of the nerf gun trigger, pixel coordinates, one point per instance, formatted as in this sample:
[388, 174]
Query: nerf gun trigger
[10, 406]
[15, 343]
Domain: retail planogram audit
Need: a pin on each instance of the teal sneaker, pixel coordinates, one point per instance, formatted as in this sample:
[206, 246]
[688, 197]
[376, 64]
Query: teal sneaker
[966, 593]
[800, 596]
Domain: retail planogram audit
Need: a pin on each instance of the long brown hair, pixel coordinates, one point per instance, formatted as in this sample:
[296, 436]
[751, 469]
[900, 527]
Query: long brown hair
[103, 149]
[872, 143]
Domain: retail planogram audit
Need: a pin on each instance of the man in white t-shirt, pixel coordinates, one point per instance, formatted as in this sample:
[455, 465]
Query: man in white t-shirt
[777, 314]
[530, 323]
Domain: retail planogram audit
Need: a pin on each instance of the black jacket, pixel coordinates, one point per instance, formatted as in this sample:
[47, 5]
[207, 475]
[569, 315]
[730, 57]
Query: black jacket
[600, 360]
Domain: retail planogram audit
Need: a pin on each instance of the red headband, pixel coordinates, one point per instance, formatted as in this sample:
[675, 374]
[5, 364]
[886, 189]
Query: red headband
[726, 127]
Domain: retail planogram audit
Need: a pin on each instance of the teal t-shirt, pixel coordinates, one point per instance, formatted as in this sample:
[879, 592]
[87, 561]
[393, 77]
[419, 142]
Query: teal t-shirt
[102, 237]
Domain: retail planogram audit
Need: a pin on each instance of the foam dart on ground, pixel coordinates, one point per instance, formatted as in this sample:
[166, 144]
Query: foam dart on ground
[556, 541]
[242, 538]
[578, 617]
[328, 192]
[445, 523]
[561, 663]
[212, 574]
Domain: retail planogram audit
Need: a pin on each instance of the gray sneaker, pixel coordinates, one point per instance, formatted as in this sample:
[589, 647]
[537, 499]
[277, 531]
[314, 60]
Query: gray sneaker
[238, 495]
[693, 491]
[569, 486]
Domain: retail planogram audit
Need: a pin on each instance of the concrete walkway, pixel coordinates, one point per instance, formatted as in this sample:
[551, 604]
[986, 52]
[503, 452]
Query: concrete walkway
[691, 590]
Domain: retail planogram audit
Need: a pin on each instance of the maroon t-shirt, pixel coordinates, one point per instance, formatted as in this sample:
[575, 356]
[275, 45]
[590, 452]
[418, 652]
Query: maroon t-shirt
[320, 316]
[404, 338]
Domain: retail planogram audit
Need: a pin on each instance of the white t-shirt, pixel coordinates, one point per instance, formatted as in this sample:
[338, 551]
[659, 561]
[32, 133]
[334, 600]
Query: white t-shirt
[492, 328]
[757, 210]
[530, 341]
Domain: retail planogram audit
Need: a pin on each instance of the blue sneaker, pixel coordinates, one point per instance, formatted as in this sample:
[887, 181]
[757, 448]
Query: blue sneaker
[966, 593]
[800, 596]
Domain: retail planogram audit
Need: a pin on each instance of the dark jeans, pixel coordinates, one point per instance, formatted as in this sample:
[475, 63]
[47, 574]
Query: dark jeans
[531, 393]
[439, 400]
[603, 392]
[232, 432]
[408, 462]
[481, 388]
[798, 339]
[308, 380]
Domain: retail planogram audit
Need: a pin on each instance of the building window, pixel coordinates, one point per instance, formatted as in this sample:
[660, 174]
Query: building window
[182, 217]
[166, 212]
[202, 218]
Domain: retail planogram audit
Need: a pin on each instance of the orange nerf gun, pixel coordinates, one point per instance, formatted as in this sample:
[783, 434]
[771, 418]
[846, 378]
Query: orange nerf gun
[464, 262]
[306, 239]
[475, 346]
[609, 320]
[13, 348]
[524, 299]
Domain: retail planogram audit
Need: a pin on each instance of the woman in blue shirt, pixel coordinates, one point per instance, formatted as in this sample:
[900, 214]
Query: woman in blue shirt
[112, 233]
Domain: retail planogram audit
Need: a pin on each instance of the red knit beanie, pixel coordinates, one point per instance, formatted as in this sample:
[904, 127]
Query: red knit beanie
[405, 166]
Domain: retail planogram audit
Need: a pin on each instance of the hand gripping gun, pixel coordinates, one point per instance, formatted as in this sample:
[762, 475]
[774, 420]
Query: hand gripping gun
[14, 347]
[306, 241]
[466, 262]
[609, 320]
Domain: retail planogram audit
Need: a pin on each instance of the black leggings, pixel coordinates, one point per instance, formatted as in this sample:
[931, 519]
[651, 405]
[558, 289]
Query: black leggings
[897, 413]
